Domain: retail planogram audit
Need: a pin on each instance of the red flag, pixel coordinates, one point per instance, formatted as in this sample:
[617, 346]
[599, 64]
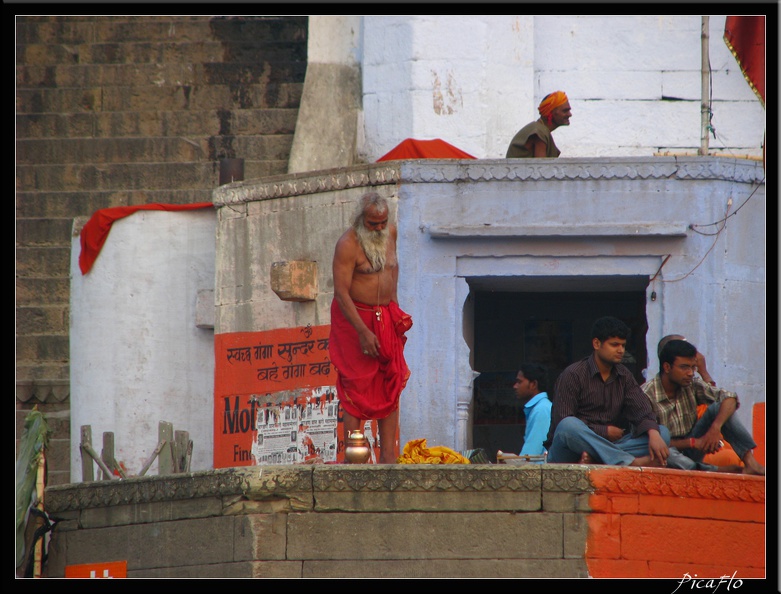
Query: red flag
[95, 231]
[745, 38]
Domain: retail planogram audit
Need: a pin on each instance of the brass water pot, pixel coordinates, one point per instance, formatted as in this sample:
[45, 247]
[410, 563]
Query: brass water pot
[357, 448]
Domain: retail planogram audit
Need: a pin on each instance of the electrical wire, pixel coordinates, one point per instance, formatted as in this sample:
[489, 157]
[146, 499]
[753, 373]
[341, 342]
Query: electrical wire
[693, 227]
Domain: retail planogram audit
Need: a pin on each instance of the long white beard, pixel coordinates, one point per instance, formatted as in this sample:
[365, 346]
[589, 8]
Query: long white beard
[374, 244]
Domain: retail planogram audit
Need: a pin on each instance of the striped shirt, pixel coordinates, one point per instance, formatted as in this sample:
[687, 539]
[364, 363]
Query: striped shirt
[580, 392]
[679, 413]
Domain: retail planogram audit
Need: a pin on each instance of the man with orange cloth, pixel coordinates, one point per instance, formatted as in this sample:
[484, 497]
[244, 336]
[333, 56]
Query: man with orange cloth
[366, 344]
[535, 139]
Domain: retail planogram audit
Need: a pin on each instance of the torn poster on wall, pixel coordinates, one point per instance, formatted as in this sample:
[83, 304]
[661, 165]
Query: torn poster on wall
[275, 400]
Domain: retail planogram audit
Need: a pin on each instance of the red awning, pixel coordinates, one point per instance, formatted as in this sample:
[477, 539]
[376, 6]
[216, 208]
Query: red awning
[425, 149]
[95, 232]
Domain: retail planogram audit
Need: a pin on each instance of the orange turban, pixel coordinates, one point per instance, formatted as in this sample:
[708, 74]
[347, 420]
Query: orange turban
[551, 102]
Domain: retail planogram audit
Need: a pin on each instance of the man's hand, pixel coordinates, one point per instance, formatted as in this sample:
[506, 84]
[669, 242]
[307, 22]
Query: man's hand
[709, 443]
[370, 344]
[614, 433]
[702, 368]
[657, 448]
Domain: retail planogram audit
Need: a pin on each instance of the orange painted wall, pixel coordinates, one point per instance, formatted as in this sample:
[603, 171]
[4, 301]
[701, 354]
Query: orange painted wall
[758, 431]
[660, 523]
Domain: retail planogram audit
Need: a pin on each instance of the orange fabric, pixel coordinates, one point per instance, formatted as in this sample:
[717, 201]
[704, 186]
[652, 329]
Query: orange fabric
[424, 149]
[726, 456]
[417, 452]
[369, 387]
[745, 38]
[551, 102]
[95, 232]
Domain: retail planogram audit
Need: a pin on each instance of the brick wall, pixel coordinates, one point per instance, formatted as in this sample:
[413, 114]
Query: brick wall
[114, 111]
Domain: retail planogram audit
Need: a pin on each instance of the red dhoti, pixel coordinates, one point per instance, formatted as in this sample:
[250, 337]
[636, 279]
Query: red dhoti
[370, 387]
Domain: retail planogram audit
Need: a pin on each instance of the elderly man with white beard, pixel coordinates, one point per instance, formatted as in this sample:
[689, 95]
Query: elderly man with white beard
[366, 343]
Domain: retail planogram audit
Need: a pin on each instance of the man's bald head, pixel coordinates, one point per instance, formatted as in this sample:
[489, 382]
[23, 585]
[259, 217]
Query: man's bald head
[667, 339]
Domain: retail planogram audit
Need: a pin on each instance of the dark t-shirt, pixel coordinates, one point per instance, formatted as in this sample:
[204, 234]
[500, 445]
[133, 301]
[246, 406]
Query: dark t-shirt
[517, 148]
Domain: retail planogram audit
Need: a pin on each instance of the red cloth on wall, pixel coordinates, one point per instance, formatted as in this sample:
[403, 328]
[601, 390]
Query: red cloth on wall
[745, 37]
[424, 149]
[95, 232]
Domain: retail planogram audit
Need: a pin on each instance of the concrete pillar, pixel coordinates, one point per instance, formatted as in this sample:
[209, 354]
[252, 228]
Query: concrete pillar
[327, 123]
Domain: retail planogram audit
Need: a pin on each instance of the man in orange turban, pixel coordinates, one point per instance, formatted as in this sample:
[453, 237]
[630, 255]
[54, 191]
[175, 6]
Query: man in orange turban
[535, 139]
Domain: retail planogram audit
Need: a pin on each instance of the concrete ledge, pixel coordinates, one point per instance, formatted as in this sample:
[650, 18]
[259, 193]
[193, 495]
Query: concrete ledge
[329, 520]
[607, 230]
[426, 487]
[474, 170]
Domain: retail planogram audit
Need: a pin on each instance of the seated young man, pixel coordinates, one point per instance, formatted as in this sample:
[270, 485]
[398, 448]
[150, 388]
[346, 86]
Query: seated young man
[675, 394]
[600, 415]
[531, 389]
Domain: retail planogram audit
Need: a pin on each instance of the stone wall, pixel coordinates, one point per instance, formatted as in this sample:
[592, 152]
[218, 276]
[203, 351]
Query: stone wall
[115, 111]
[454, 521]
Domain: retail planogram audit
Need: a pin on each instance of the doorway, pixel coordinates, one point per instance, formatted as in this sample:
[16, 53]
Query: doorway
[548, 323]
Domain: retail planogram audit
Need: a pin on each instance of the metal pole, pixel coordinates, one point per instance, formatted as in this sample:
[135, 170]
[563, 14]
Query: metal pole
[705, 73]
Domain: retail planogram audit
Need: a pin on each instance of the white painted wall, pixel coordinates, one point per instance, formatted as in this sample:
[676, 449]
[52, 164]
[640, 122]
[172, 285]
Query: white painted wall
[474, 81]
[137, 357]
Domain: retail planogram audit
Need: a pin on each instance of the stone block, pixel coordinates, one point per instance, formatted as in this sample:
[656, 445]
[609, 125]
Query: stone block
[450, 569]
[261, 537]
[277, 569]
[449, 535]
[575, 533]
[212, 570]
[156, 545]
[290, 483]
[151, 512]
[295, 280]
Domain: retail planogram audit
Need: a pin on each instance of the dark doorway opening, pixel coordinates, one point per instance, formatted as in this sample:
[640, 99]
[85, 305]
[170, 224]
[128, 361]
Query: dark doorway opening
[550, 326]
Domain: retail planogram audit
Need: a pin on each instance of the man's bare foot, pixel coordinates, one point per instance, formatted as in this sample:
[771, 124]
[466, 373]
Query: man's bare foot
[751, 465]
[585, 458]
[755, 469]
[646, 461]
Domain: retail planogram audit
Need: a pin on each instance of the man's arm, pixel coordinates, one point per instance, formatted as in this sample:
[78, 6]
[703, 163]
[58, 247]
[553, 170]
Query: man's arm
[638, 409]
[565, 401]
[394, 233]
[703, 370]
[536, 147]
[343, 269]
[709, 442]
[657, 449]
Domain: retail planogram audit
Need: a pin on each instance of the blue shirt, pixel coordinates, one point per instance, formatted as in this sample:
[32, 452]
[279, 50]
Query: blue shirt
[537, 412]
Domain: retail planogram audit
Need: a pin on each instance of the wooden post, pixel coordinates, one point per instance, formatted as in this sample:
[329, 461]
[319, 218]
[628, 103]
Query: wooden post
[188, 456]
[151, 459]
[182, 444]
[106, 470]
[87, 468]
[165, 462]
[107, 453]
